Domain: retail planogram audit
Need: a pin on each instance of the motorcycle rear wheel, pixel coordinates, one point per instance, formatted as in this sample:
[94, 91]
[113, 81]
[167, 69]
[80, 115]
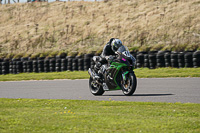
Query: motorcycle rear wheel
[130, 86]
[95, 89]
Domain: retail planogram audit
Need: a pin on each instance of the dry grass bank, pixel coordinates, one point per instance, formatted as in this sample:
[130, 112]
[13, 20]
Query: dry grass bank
[87, 26]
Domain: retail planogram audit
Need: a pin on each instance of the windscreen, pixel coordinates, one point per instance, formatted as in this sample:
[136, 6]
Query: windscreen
[124, 50]
[121, 49]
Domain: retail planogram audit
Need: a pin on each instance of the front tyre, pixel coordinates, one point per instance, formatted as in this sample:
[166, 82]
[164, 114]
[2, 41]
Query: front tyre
[129, 86]
[95, 88]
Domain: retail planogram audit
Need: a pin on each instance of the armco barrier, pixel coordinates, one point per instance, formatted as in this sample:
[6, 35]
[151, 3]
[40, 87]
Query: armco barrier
[150, 60]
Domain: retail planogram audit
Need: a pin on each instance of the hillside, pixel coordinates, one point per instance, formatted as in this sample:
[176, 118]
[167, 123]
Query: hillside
[84, 27]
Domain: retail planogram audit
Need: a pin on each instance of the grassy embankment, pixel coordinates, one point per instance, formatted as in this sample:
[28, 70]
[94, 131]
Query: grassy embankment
[83, 27]
[140, 73]
[31, 115]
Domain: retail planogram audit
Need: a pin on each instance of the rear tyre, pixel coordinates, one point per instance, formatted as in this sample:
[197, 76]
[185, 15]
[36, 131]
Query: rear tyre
[95, 88]
[129, 87]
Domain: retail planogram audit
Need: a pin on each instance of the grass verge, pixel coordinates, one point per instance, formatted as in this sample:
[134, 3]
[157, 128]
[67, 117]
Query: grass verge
[167, 72]
[32, 115]
[140, 73]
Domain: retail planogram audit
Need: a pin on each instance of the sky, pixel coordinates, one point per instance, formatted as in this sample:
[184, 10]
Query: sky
[23, 1]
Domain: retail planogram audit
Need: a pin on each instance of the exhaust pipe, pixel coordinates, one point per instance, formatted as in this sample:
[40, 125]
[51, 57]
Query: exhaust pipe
[94, 77]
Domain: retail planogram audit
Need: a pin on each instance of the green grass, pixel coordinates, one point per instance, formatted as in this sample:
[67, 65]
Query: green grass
[45, 76]
[167, 72]
[31, 115]
[140, 73]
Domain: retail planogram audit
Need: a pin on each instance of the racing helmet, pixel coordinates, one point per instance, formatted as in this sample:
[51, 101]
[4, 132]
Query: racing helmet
[116, 43]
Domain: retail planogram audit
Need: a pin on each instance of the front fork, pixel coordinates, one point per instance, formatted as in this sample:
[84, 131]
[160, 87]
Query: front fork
[125, 83]
[125, 75]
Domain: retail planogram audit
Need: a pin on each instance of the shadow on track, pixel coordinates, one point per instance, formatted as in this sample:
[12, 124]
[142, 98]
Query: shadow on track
[143, 95]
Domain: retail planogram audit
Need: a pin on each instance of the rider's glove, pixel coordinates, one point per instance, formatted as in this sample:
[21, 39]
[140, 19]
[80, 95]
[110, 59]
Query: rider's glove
[110, 58]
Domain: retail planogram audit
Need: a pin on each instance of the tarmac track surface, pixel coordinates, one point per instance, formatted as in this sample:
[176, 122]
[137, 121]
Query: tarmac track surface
[148, 89]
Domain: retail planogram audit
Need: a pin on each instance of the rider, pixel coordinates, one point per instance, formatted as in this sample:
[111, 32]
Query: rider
[110, 48]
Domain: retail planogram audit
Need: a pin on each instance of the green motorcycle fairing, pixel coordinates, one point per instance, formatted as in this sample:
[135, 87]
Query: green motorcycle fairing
[111, 76]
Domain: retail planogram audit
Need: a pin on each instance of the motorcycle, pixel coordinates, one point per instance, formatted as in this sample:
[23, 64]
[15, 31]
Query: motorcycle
[117, 74]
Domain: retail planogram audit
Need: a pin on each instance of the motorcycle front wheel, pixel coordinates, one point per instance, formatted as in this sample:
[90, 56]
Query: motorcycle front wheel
[129, 86]
[95, 88]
